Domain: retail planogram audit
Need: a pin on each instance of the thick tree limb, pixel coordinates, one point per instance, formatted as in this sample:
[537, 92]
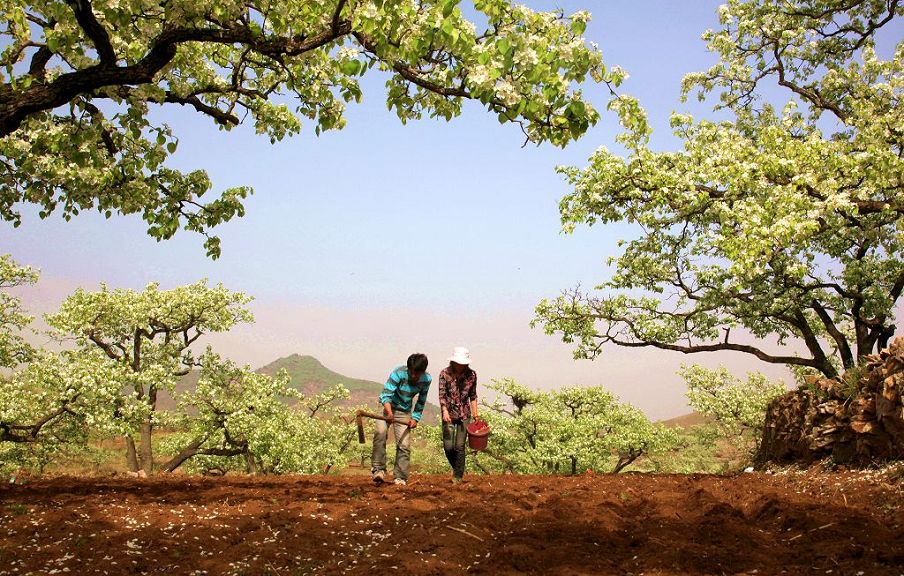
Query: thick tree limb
[15, 106]
[193, 449]
[39, 62]
[28, 433]
[844, 349]
[85, 17]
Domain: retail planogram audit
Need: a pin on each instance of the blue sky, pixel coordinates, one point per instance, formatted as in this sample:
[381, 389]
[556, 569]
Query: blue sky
[363, 245]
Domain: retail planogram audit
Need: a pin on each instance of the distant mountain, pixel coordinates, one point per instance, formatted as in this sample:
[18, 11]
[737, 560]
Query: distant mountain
[308, 375]
[686, 420]
[187, 383]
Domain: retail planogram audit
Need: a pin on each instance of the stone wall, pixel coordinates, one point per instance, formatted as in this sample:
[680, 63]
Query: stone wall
[856, 420]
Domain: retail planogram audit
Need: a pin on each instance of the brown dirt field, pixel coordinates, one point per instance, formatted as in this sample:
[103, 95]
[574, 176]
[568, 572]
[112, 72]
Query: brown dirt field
[801, 522]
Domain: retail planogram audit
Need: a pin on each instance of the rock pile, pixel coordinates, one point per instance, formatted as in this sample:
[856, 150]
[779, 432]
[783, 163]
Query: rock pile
[857, 419]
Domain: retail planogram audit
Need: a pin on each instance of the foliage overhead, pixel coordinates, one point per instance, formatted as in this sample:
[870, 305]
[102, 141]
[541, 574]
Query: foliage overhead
[80, 79]
[785, 223]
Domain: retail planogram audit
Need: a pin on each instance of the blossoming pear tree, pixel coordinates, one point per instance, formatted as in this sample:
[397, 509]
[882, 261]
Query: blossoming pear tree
[567, 431]
[236, 419]
[55, 403]
[778, 223]
[14, 350]
[737, 407]
[81, 78]
[148, 335]
[51, 402]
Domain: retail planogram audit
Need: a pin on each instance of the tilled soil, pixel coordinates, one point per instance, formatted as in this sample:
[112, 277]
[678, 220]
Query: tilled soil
[784, 523]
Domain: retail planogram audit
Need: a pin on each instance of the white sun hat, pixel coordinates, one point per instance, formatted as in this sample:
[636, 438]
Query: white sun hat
[460, 355]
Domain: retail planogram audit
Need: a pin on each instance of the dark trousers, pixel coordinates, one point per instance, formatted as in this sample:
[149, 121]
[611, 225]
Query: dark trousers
[454, 436]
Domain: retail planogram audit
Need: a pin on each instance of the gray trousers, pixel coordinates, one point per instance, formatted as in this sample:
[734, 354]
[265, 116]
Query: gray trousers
[403, 445]
[454, 436]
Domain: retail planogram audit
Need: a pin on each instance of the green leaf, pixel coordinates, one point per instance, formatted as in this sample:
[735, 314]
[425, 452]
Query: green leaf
[448, 7]
[503, 46]
[350, 67]
[448, 27]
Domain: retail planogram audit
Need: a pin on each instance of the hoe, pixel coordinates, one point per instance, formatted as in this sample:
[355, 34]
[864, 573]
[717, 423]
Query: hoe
[360, 415]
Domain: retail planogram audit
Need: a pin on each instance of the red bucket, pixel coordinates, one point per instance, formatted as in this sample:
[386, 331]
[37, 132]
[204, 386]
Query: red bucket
[478, 430]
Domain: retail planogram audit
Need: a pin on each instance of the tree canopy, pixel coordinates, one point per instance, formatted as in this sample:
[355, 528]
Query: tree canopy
[80, 79]
[14, 350]
[737, 407]
[128, 347]
[567, 431]
[149, 335]
[783, 222]
[239, 419]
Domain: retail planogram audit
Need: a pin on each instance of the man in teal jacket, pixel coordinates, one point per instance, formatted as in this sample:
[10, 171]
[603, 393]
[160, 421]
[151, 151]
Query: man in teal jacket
[400, 406]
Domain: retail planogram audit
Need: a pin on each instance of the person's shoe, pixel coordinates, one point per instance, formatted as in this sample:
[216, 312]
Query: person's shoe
[399, 482]
[379, 477]
[456, 480]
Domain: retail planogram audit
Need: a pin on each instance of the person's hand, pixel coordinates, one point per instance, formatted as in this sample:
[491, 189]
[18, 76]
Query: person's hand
[446, 418]
[387, 411]
[412, 423]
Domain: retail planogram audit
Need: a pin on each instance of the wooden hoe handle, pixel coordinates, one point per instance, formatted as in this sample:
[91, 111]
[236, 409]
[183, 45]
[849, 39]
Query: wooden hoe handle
[360, 415]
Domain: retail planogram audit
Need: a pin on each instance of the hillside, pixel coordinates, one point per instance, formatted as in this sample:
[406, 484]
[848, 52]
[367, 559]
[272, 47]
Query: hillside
[188, 382]
[310, 376]
[686, 420]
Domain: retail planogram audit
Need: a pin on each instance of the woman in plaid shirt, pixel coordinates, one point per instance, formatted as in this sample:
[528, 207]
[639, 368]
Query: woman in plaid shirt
[458, 401]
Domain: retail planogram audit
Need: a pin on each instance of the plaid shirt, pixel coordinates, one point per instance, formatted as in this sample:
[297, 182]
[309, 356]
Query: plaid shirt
[456, 395]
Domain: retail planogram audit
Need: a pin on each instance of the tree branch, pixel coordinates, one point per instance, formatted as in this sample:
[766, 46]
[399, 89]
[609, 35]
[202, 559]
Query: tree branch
[219, 116]
[107, 348]
[39, 62]
[810, 94]
[28, 433]
[85, 17]
[413, 75]
[336, 15]
[15, 106]
[844, 349]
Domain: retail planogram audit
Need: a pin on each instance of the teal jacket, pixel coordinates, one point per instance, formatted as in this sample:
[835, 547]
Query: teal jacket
[400, 392]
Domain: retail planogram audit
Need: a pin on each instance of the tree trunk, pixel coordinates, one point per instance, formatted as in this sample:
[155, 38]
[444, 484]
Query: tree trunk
[147, 430]
[147, 451]
[183, 455]
[131, 455]
[193, 450]
[250, 463]
[625, 459]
